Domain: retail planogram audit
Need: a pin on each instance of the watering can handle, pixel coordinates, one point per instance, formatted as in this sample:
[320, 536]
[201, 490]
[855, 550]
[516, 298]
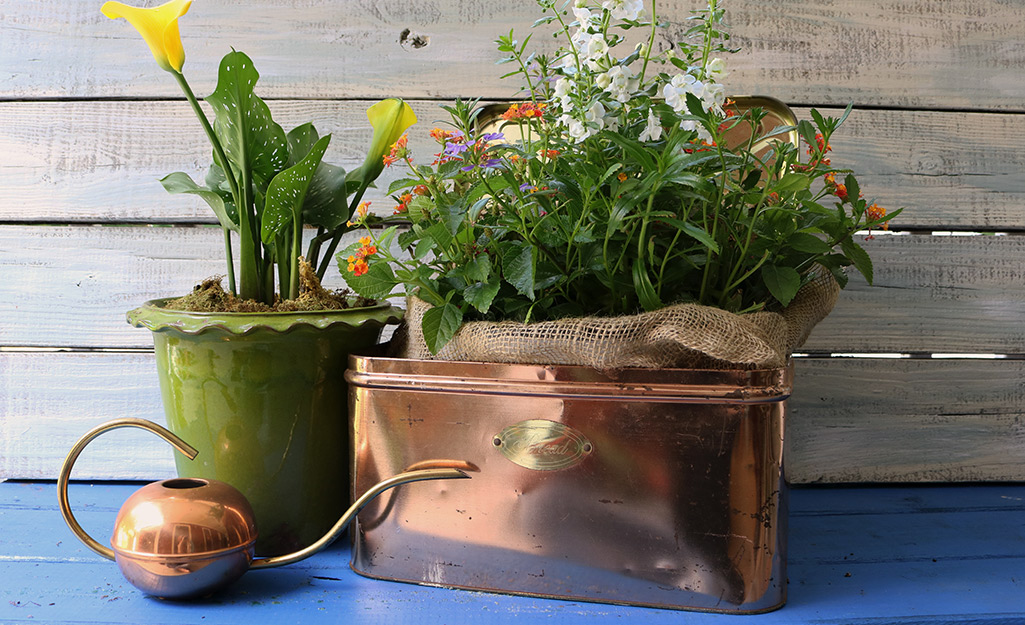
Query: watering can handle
[69, 462]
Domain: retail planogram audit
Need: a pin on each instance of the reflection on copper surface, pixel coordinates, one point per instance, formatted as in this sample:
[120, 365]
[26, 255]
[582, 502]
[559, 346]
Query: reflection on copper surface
[679, 500]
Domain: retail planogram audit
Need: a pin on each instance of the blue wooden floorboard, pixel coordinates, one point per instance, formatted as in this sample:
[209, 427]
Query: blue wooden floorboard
[865, 556]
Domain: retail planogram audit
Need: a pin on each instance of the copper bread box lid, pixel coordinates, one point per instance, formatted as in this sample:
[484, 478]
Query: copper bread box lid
[659, 488]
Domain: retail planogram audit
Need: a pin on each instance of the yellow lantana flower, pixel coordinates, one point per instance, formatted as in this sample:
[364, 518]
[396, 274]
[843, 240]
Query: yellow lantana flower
[158, 26]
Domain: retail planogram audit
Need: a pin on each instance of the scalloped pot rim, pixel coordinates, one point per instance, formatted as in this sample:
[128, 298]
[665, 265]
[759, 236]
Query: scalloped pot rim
[153, 316]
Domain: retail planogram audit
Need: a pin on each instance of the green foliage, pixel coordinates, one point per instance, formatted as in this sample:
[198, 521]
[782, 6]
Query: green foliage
[266, 185]
[621, 184]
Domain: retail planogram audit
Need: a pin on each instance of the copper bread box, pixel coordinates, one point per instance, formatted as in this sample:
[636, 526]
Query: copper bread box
[659, 488]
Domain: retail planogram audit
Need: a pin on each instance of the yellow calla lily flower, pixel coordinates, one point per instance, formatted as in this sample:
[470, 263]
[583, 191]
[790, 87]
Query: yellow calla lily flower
[158, 26]
[389, 118]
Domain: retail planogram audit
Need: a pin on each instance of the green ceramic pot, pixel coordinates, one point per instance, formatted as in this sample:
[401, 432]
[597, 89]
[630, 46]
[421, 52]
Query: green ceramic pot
[263, 398]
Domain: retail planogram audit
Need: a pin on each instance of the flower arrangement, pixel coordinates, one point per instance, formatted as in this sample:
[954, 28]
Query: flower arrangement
[265, 185]
[617, 186]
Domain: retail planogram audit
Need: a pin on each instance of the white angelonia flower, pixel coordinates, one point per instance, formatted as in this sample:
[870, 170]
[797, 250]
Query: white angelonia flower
[611, 122]
[624, 9]
[675, 92]
[596, 49]
[716, 69]
[603, 80]
[596, 115]
[582, 39]
[563, 90]
[703, 134]
[713, 96]
[582, 14]
[653, 130]
[578, 131]
[621, 83]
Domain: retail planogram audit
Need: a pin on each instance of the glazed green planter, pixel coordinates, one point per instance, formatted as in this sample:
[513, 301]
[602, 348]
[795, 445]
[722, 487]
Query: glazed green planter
[263, 398]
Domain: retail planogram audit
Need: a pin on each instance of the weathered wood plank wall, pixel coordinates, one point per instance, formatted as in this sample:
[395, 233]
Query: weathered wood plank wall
[88, 123]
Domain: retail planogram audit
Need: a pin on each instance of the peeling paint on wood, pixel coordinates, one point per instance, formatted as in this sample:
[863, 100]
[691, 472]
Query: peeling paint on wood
[950, 170]
[922, 53]
[851, 420]
[86, 129]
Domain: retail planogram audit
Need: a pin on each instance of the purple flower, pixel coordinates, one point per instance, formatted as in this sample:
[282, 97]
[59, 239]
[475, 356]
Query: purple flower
[488, 164]
[455, 149]
[493, 136]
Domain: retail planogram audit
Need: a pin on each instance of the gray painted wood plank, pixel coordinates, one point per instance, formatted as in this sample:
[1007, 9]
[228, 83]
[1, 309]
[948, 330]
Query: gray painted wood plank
[50, 399]
[932, 294]
[851, 420]
[100, 161]
[879, 420]
[931, 53]
[70, 286]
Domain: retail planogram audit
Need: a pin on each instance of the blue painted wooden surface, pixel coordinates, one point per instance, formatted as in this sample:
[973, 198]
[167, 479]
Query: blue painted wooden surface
[857, 555]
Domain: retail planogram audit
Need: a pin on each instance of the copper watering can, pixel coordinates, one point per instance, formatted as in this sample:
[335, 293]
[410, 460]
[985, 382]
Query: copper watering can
[187, 537]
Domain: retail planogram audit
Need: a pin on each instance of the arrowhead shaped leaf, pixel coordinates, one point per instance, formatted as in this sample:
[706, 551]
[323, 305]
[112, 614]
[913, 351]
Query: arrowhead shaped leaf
[327, 200]
[180, 182]
[301, 140]
[287, 191]
[243, 124]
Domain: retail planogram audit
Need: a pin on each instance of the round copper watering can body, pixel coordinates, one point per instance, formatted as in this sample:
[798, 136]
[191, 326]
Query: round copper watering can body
[184, 537]
[187, 537]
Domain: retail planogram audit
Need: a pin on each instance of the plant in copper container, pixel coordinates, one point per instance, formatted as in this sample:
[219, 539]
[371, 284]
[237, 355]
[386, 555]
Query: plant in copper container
[626, 182]
[644, 253]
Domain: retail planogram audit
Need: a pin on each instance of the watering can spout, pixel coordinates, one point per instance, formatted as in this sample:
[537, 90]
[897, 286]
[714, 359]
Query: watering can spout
[340, 526]
[215, 517]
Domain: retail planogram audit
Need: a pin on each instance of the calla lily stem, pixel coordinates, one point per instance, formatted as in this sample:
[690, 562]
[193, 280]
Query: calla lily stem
[222, 162]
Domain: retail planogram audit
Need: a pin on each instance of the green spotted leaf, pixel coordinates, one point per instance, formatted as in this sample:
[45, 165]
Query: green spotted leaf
[287, 192]
[243, 124]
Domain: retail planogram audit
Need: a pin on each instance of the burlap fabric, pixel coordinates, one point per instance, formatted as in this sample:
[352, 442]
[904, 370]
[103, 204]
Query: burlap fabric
[683, 336]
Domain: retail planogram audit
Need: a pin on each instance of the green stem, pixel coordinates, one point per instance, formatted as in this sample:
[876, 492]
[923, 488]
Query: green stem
[297, 240]
[313, 251]
[231, 262]
[715, 217]
[219, 156]
[644, 227]
[249, 256]
[651, 42]
[709, 28]
[665, 263]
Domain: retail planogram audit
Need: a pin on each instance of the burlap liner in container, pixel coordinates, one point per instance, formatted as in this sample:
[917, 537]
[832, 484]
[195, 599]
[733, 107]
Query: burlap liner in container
[681, 336]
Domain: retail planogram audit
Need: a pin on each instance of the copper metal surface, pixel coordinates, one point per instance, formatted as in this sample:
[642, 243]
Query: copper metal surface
[650, 487]
[188, 537]
[184, 537]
